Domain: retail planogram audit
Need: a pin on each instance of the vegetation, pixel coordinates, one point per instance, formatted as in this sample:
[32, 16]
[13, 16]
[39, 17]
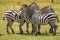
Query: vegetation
[16, 4]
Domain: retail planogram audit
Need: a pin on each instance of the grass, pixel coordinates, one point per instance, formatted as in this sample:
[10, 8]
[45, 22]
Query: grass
[13, 4]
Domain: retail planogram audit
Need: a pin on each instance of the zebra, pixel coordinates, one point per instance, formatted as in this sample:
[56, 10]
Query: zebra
[45, 10]
[26, 14]
[34, 7]
[48, 9]
[12, 15]
[39, 18]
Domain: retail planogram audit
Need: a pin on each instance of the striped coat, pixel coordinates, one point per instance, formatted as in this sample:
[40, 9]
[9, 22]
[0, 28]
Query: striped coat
[43, 19]
[12, 15]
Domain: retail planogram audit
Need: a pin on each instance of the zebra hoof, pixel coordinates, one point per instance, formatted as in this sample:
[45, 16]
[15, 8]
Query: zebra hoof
[27, 31]
[50, 31]
[35, 34]
[32, 32]
[38, 33]
[13, 33]
[54, 34]
[21, 32]
[7, 32]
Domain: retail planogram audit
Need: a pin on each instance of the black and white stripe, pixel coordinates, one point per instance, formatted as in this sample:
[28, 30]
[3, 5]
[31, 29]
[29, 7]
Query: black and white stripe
[15, 16]
[40, 19]
[44, 18]
[11, 15]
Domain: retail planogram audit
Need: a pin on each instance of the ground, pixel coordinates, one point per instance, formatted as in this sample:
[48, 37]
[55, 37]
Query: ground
[13, 4]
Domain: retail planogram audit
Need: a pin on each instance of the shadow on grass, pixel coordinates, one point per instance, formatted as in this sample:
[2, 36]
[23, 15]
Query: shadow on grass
[29, 34]
[42, 34]
[24, 34]
[1, 34]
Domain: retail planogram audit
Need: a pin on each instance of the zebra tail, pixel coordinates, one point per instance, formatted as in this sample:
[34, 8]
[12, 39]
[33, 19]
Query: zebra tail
[3, 18]
[57, 19]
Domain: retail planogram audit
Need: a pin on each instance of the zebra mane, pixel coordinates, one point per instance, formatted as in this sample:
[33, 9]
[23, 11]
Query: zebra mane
[27, 7]
[34, 6]
[32, 3]
[46, 7]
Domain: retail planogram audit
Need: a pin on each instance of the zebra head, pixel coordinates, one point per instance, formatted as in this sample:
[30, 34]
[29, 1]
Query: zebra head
[34, 6]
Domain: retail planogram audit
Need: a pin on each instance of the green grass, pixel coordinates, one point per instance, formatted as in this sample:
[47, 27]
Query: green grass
[13, 4]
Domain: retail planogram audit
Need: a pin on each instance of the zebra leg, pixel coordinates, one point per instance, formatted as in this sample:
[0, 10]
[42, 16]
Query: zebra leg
[7, 27]
[38, 29]
[27, 27]
[20, 27]
[35, 28]
[11, 23]
[32, 29]
[55, 28]
[51, 29]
